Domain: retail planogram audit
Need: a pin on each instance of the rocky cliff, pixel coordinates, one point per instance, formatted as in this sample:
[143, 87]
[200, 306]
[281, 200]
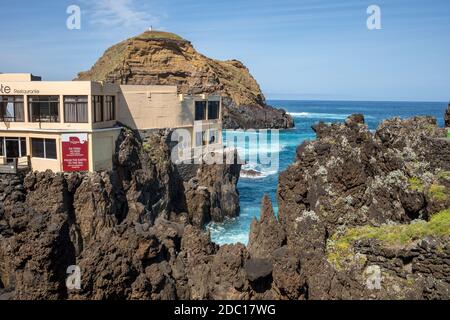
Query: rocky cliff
[111, 224]
[163, 58]
[361, 216]
[447, 117]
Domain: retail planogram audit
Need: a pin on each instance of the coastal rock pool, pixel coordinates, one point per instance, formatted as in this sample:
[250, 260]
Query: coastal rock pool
[256, 180]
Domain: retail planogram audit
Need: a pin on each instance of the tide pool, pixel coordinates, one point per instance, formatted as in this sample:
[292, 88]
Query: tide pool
[305, 113]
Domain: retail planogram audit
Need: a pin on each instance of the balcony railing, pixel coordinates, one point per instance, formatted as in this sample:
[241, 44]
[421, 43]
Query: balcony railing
[11, 119]
[15, 165]
[46, 118]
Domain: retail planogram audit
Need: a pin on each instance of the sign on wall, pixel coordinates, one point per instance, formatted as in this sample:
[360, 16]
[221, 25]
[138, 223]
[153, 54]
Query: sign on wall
[75, 152]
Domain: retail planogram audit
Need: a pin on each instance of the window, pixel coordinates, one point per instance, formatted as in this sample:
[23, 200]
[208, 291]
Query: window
[13, 147]
[76, 109]
[201, 138]
[97, 103]
[23, 147]
[43, 148]
[213, 110]
[110, 108]
[44, 108]
[213, 136]
[11, 108]
[200, 110]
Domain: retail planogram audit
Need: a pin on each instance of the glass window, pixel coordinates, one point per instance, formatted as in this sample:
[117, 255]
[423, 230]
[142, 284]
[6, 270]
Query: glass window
[37, 148]
[44, 108]
[213, 110]
[2, 146]
[213, 136]
[43, 148]
[200, 110]
[11, 108]
[50, 148]
[23, 147]
[110, 108]
[198, 139]
[76, 109]
[97, 103]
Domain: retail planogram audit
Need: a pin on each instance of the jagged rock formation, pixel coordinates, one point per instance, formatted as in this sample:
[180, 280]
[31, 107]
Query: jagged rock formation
[122, 227]
[212, 195]
[447, 117]
[350, 178]
[163, 58]
[361, 216]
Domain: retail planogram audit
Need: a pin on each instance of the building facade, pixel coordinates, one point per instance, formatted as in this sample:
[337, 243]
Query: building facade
[69, 126]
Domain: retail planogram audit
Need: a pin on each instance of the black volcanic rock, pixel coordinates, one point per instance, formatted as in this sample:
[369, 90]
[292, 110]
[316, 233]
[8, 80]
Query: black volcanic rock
[258, 269]
[447, 116]
[267, 235]
[356, 220]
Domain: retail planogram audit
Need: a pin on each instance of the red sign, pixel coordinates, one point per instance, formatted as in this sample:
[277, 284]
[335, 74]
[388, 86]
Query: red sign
[75, 150]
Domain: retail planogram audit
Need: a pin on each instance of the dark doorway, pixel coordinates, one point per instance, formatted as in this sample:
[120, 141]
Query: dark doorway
[12, 149]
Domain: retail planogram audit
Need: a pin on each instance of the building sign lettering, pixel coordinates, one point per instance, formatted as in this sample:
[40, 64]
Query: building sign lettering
[75, 149]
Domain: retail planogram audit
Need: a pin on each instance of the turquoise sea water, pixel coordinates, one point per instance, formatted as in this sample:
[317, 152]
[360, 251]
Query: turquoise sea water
[305, 113]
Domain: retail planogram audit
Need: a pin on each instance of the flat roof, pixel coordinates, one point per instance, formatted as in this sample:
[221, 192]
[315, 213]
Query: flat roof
[17, 77]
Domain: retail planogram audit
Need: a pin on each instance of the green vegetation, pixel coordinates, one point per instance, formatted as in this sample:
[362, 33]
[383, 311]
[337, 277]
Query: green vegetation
[146, 146]
[435, 191]
[439, 226]
[438, 192]
[159, 35]
[416, 184]
[340, 249]
[445, 175]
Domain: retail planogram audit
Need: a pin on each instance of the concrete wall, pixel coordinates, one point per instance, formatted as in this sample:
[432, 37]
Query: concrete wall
[102, 148]
[152, 107]
[18, 77]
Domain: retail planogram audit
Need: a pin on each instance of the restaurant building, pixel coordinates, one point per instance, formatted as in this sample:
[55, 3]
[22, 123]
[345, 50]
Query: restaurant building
[70, 126]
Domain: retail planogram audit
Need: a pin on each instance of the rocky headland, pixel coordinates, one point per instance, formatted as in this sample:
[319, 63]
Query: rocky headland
[361, 215]
[162, 58]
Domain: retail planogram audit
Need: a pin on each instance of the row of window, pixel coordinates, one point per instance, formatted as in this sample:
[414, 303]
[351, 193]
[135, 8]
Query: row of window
[46, 108]
[213, 110]
[17, 148]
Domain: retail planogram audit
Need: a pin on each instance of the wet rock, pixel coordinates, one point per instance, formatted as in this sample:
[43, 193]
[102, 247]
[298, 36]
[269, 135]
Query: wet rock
[267, 235]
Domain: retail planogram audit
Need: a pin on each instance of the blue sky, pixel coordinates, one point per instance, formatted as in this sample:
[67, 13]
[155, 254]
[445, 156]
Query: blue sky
[297, 49]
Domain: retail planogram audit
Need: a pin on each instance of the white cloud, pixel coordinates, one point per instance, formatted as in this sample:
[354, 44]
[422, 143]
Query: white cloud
[120, 13]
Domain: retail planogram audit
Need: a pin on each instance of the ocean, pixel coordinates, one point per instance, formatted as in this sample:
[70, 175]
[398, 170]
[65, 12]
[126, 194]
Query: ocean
[305, 113]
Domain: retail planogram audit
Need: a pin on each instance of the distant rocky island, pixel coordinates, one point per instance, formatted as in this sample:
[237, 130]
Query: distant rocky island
[162, 58]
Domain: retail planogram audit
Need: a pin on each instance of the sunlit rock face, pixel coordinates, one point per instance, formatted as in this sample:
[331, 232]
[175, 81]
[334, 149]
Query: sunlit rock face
[162, 58]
